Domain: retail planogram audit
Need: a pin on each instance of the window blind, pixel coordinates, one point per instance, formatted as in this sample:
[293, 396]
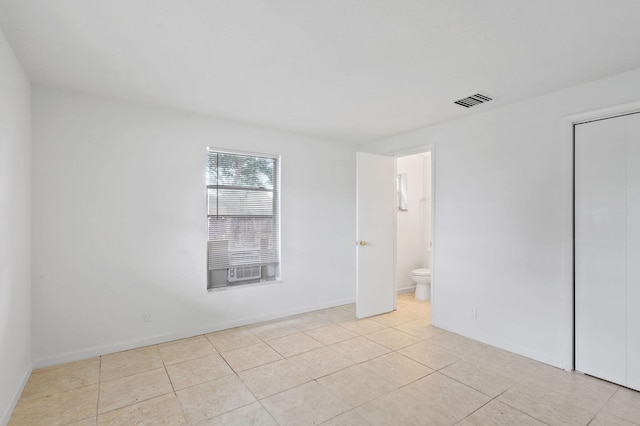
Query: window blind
[243, 218]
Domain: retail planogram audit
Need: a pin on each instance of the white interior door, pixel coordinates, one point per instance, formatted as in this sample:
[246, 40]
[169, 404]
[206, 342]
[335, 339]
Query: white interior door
[376, 211]
[633, 254]
[607, 244]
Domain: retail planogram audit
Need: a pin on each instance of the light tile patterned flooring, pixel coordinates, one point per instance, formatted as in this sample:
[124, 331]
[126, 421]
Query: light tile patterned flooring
[327, 368]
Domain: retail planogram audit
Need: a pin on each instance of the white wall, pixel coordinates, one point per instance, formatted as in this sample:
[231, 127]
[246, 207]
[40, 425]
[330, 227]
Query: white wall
[503, 218]
[412, 230]
[15, 230]
[120, 226]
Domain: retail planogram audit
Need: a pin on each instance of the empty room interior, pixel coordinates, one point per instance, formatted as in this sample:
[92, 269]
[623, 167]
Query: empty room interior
[341, 212]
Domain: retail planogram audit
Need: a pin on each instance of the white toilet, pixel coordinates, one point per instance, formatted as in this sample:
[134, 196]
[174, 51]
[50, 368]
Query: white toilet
[422, 278]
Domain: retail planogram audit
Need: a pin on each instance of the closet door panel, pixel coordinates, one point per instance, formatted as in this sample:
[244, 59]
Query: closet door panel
[600, 236]
[632, 129]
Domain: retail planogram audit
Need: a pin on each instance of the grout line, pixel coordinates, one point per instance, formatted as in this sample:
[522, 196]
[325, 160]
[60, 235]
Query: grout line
[525, 413]
[605, 404]
[99, 387]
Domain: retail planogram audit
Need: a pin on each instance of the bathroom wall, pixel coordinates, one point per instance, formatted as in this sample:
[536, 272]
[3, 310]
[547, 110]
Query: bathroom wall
[413, 225]
[15, 230]
[428, 205]
[503, 217]
[120, 229]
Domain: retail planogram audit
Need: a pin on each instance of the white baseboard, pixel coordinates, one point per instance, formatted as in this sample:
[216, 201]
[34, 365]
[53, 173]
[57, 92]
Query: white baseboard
[6, 415]
[163, 338]
[409, 289]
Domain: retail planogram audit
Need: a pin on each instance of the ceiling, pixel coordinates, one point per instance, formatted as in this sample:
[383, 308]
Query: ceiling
[349, 70]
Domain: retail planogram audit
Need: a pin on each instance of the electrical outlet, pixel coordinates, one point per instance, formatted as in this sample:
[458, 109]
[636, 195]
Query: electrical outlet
[146, 317]
[473, 312]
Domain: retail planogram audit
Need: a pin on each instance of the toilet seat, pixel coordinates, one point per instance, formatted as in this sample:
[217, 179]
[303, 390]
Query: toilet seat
[422, 272]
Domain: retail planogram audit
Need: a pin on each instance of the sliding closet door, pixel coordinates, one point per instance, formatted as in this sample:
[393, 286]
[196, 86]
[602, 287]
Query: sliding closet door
[607, 243]
[600, 238]
[633, 252]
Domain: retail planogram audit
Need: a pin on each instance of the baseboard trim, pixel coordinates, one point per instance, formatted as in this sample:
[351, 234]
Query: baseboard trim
[4, 420]
[183, 334]
[409, 289]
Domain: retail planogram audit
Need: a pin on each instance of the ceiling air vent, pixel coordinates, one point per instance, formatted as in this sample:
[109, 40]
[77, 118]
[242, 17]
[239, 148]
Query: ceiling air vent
[474, 100]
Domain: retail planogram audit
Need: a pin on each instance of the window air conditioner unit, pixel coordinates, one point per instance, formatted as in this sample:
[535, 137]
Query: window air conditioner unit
[243, 273]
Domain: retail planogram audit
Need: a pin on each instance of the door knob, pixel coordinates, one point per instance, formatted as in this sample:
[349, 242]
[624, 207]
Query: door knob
[361, 243]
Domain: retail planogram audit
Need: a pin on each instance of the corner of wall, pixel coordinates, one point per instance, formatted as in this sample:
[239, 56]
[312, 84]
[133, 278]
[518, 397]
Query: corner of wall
[6, 415]
[15, 228]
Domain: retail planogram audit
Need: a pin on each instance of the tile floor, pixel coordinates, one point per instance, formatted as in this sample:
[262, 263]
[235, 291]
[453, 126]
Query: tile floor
[327, 368]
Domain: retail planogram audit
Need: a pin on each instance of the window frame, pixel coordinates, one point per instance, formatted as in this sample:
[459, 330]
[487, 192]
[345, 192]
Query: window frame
[271, 262]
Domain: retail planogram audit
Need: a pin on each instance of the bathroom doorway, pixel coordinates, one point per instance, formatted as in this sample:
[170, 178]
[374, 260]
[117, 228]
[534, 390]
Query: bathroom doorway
[414, 217]
[377, 260]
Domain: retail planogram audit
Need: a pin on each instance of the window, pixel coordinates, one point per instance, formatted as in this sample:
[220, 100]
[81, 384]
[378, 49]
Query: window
[244, 221]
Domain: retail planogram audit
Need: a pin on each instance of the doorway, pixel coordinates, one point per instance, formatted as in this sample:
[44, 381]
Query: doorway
[413, 218]
[376, 257]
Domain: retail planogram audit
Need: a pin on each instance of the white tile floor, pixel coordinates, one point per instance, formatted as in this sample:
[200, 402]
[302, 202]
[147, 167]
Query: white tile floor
[327, 368]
